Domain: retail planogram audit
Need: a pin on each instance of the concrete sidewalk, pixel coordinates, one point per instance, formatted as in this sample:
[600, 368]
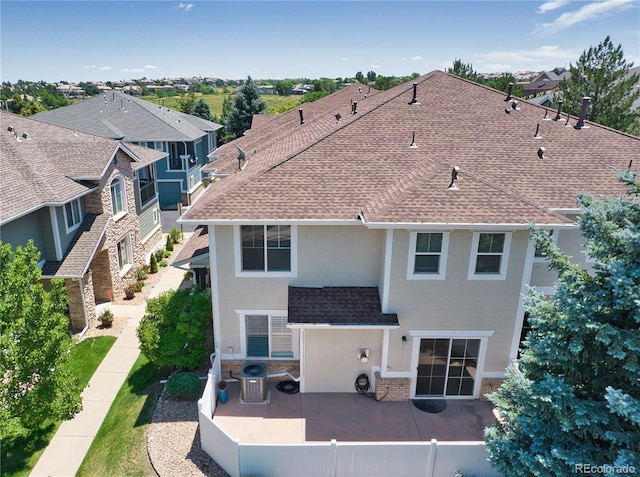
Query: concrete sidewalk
[71, 442]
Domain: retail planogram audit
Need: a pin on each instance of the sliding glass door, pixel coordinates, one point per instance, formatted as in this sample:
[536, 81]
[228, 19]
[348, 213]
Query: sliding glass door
[447, 367]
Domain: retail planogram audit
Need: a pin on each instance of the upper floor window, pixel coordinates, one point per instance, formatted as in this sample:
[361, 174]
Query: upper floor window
[147, 183]
[118, 198]
[427, 255]
[265, 248]
[175, 161]
[73, 214]
[490, 253]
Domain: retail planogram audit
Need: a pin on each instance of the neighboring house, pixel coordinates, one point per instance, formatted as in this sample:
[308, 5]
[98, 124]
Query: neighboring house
[388, 233]
[88, 203]
[186, 139]
[546, 82]
[267, 89]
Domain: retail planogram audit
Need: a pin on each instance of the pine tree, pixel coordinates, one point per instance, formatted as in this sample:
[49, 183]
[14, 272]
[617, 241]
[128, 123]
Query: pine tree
[574, 397]
[202, 110]
[464, 70]
[153, 264]
[247, 103]
[600, 75]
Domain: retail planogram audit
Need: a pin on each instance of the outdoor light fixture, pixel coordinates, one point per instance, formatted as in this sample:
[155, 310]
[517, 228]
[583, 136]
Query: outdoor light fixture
[363, 355]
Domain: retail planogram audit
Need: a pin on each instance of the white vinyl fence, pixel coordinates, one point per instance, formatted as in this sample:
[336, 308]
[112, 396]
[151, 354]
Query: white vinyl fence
[335, 459]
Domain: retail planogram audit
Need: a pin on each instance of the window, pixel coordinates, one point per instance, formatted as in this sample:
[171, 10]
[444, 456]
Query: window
[147, 183]
[266, 248]
[427, 255]
[118, 200]
[538, 256]
[268, 337]
[175, 161]
[125, 257]
[73, 214]
[490, 255]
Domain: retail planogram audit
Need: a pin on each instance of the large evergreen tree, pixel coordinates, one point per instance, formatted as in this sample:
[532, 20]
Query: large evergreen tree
[600, 74]
[247, 103]
[35, 381]
[464, 70]
[202, 110]
[574, 398]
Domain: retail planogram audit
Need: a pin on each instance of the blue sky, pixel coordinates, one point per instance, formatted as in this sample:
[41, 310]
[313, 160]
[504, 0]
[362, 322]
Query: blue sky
[113, 40]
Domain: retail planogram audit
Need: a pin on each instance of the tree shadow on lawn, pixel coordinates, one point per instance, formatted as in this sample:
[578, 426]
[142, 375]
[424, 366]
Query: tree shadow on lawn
[145, 381]
[16, 453]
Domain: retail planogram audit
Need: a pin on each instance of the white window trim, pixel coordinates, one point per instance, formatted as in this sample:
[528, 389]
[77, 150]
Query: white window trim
[125, 206]
[554, 239]
[127, 239]
[504, 262]
[237, 249]
[153, 201]
[64, 211]
[442, 268]
[242, 314]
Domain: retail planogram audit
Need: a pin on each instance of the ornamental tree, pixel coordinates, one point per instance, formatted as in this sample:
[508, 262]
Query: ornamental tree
[174, 329]
[573, 397]
[35, 380]
[601, 74]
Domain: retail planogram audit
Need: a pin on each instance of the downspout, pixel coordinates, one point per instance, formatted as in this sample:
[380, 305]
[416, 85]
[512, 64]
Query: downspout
[84, 307]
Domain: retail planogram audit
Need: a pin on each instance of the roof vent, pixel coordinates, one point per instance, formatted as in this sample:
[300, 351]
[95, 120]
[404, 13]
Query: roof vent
[121, 103]
[413, 141]
[354, 107]
[369, 90]
[359, 90]
[567, 125]
[507, 110]
[114, 97]
[25, 135]
[10, 129]
[541, 153]
[454, 178]
[508, 98]
[414, 100]
[537, 134]
[583, 113]
[338, 117]
[514, 105]
[301, 116]
[557, 118]
[241, 157]
[545, 118]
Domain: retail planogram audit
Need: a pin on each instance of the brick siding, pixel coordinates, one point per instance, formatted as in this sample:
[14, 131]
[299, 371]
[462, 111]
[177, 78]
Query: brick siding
[396, 389]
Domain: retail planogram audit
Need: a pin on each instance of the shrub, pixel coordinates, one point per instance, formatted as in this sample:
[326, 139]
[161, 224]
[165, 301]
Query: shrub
[188, 275]
[167, 254]
[163, 263]
[141, 274]
[184, 386]
[139, 284]
[153, 266]
[175, 234]
[173, 330]
[169, 245]
[159, 254]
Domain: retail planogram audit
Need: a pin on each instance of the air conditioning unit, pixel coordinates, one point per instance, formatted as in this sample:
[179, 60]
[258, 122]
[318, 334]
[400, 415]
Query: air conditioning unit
[253, 382]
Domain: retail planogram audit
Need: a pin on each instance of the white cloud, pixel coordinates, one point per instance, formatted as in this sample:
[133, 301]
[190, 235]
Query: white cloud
[89, 67]
[547, 52]
[498, 67]
[376, 66]
[132, 70]
[344, 59]
[186, 7]
[590, 11]
[414, 58]
[150, 67]
[104, 68]
[552, 5]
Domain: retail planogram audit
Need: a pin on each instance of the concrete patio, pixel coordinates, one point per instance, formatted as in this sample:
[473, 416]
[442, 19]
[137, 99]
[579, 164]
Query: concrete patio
[346, 417]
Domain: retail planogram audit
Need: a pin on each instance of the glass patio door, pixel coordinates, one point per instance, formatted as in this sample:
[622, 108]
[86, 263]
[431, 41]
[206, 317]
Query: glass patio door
[447, 367]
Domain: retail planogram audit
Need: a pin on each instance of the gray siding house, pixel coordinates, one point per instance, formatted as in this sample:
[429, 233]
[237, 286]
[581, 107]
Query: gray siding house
[186, 139]
[88, 203]
[387, 233]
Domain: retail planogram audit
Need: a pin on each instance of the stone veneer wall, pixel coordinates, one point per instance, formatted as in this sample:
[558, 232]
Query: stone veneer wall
[154, 242]
[396, 389]
[489, 385]
[277, 366]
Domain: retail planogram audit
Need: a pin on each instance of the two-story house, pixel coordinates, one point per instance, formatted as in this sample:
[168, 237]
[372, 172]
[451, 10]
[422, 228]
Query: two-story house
[88, 203]
[387, 233]
[187, 140]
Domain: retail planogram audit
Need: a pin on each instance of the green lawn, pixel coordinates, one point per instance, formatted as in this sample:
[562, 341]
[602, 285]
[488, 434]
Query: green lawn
[120, 447]
[19, 456]
[275, 104]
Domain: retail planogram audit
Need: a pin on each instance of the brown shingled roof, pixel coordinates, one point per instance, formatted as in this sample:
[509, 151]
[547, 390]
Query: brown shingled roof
[337, 306]
[196, 245]
[363, 164]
